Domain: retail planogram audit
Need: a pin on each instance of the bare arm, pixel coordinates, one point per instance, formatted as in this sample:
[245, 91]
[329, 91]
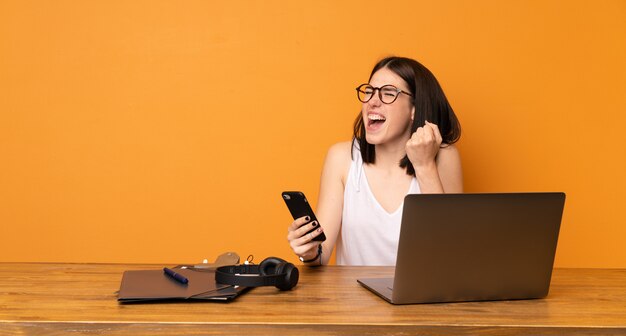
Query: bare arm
[437, 170]
[330, 202]
[329, 207]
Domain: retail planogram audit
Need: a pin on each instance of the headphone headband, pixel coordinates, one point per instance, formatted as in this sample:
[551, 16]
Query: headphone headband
[270, 272]
[247, 276]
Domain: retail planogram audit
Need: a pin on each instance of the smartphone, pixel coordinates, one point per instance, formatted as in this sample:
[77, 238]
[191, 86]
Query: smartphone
[299, 207]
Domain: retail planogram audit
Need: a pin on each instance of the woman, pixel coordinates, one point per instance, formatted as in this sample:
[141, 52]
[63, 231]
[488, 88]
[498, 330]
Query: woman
[403, 144]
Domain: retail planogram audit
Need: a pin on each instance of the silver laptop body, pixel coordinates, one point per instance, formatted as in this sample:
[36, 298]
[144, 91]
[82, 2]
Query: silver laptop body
[473, 247]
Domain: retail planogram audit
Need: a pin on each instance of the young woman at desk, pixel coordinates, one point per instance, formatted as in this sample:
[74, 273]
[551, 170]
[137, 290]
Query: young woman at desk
[403, 144]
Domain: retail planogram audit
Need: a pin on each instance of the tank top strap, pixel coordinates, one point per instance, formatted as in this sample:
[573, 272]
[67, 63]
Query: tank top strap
[357, 165]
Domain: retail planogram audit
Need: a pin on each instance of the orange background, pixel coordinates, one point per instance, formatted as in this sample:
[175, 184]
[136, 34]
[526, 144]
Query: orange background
[164, 131]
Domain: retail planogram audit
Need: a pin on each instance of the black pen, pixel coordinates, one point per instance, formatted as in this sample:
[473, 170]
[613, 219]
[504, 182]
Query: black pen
[177, 276]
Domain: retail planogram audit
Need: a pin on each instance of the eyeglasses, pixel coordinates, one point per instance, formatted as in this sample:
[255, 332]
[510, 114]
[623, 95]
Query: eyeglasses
[387, 93]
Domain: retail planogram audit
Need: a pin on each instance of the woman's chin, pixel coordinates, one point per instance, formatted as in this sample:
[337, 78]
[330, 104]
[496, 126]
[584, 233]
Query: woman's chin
[373, 139]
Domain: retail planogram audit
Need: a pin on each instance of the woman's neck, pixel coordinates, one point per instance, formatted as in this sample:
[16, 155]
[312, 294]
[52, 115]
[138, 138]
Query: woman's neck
[388, 156]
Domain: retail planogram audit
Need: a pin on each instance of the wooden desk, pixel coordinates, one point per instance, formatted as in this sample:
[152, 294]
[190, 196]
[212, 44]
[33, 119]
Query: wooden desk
[61, 298]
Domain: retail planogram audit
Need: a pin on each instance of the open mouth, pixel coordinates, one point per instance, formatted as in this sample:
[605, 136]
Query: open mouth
[375, 120]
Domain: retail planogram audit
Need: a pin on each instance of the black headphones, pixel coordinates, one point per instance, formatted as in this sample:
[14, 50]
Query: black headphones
[270, 272]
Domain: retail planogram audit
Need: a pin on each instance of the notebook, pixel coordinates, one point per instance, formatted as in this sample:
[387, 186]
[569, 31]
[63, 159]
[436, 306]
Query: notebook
[153, 286]
[473, 247]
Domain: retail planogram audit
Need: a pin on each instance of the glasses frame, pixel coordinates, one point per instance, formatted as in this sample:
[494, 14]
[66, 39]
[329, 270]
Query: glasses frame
[380, 95]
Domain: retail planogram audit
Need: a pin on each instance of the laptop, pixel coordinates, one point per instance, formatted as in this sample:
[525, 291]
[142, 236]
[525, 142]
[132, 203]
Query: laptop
[473, 247]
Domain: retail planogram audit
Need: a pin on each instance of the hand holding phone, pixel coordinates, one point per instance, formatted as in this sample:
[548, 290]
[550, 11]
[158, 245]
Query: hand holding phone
[299, 207]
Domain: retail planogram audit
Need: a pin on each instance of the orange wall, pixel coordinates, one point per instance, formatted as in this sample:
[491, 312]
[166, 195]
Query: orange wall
[164, 131]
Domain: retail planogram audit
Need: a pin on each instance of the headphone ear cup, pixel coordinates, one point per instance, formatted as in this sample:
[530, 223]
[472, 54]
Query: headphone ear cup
[270, 265]
[291, 276]
[277, 266]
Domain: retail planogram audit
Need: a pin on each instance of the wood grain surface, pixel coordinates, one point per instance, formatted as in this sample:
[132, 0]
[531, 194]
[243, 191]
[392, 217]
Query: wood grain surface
[50, 299]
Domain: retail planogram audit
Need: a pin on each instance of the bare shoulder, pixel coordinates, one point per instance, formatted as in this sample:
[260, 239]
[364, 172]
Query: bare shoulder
[448, 151]
[338, 159]
[450, 170]
[340, 151]
[449, 158]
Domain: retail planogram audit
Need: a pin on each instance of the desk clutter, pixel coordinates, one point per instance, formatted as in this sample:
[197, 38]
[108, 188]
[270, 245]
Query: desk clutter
[222, 280]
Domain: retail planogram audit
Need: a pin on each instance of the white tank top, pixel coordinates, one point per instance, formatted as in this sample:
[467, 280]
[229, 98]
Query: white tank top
[369, 234]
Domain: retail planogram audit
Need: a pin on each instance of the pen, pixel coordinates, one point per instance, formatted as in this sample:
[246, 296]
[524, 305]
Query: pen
[177, 276]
